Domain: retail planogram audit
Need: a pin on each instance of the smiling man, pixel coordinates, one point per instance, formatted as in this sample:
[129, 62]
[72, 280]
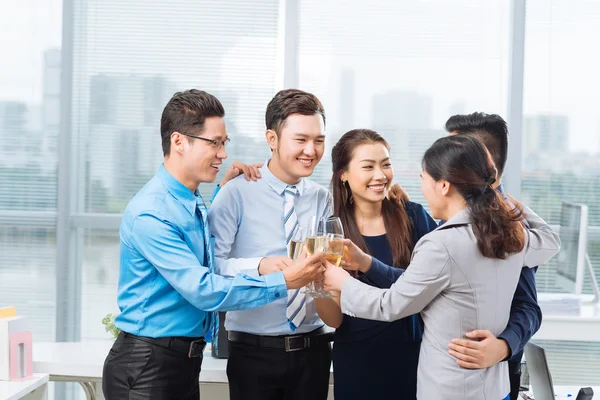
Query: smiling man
[279, 351]
[167, 290]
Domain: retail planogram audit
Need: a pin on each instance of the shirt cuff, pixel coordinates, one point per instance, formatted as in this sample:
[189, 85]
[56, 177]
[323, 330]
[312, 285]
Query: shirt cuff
[277, 288]
[513, 341]
[350, 286]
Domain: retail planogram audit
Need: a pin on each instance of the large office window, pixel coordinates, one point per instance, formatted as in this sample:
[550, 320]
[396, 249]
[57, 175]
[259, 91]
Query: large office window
[399, 67]
[402, 68]
[29, 123]
[561, 145]
[130, 57]
[128, 60]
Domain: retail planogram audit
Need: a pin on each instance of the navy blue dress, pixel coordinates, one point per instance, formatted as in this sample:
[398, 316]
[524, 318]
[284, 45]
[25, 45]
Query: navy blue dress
[378, 360]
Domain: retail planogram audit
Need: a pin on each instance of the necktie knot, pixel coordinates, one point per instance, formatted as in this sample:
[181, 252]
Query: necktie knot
[291, 189]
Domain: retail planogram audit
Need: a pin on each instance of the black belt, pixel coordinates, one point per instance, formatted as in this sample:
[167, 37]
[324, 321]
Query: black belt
[193, 347]
[288, 343]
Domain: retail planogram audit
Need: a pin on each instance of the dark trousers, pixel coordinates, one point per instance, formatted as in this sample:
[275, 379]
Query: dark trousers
[515, 384]
[261, 373]
[136, 369]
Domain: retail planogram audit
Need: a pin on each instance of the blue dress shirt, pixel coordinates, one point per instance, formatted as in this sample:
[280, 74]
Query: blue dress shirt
[165, 287]
[246, 219]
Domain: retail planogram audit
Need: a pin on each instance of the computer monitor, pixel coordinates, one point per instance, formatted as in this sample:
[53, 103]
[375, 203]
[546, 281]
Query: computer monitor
[571, 258]
[539, 372]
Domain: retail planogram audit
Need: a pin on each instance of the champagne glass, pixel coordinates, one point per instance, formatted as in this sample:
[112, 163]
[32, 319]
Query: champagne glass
[333, 247]
[333, 225]
[296, 245]
[315, 242]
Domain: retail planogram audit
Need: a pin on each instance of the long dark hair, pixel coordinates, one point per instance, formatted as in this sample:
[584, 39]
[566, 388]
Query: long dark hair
[465, 163]
[397, 224]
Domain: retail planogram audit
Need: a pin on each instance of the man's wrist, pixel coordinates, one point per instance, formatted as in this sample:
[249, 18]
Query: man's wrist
[258, 268]
[506, 353]
[288, 277]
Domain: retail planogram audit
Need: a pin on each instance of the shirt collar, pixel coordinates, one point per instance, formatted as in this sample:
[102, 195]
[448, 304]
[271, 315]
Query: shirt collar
[277, 185]
[463, 217]
[178, 189]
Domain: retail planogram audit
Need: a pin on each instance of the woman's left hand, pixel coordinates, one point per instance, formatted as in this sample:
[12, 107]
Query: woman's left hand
[334, 277]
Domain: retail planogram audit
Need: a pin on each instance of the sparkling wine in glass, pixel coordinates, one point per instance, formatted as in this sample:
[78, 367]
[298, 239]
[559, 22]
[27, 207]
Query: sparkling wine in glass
[296, 245]
[333, 246]
[315, 242]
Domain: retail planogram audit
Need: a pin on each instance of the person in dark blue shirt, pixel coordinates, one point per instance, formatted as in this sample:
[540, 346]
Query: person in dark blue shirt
[366, 353]
[525, 314]
[481, 349]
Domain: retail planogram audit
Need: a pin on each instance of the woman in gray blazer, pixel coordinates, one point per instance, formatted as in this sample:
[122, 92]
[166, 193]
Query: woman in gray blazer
[462, 276]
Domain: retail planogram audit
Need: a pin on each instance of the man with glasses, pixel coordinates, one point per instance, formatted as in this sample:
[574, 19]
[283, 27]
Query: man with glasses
[167, 291]
[281, 350]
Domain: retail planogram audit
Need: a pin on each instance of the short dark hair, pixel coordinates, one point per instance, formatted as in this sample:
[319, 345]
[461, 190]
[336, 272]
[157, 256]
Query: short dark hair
[186, 113]
[291, 101]
[491, 129]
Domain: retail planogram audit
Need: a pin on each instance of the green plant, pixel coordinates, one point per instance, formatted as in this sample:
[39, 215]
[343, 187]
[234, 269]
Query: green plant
[109, 325]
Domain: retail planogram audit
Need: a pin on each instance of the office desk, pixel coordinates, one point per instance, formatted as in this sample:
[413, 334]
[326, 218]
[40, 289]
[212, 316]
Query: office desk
[33, 388]
[82, 362]
[583, 327]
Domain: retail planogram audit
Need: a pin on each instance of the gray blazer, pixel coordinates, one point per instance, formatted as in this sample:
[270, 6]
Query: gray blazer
[456, 289]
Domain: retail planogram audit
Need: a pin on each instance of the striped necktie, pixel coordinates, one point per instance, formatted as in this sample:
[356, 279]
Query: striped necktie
[295, 309]
[212, 317]
[202, 213]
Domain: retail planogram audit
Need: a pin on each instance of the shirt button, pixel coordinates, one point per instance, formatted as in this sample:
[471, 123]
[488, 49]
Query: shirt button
[277, 294]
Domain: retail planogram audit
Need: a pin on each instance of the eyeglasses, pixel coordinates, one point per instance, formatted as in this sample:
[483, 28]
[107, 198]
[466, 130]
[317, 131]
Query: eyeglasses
[215, 143]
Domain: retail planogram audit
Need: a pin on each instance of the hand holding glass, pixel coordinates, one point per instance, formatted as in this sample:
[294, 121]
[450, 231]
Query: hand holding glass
[315, 241]
[333, 246]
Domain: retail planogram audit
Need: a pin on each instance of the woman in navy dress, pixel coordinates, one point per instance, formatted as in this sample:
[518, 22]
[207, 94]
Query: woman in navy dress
[372, 359]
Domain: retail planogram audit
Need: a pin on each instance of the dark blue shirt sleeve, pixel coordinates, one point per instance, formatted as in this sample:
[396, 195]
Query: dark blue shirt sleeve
[384, 276]
[525, 315]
